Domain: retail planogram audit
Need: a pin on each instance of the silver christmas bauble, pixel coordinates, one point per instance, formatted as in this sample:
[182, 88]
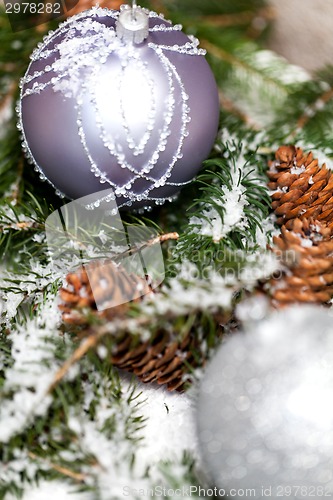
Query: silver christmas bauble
[265, 411]
[105, 107]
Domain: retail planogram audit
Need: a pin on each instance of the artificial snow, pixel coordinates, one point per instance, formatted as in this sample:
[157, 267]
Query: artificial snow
[57, 490]
[259, 266]
[32, 284]
[266, 231]
[170, 426]
[259, 85]
[189, 292]
[305, 242]
[211, 223]
[297, 170]
[167, 433]
[232, 202]
[291, 74]
[10, 303]
[32, 372]
[164, 414]
[227, 213]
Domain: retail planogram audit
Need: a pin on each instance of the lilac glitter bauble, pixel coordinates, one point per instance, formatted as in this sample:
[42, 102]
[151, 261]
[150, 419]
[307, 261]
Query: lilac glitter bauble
[97, 112]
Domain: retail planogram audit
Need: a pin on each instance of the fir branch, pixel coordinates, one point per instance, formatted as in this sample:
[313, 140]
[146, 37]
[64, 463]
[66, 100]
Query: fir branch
[231, 107]
[6, 98]
[308, 115]
[195, 8]
[310, 112]
[162, 238]
[14, 195]
[19, 226]
[58, 468]
[15, 49]
[10, 161]
[245, 17]
[245, 64]
[86, 345]
[234, 189]
[258, 81]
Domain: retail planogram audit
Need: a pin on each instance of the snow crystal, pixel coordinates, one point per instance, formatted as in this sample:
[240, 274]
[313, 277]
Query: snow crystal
[168, 432]
[20, 465]
[34, 367]
[113, 470]
[31, 284]
[11, 303]
[265, 88]
[217, 224]
[305, 242]
[233, 215]
[12, 219]
[103, 236]
[227, 137]
[102, 351]
[323, 156]
[260, 265]
[234, 203]
[297, 170]
[39, 237]
[170, 426]
[266, 231]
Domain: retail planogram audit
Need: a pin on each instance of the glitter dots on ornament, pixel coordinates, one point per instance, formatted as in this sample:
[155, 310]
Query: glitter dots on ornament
[122, 100]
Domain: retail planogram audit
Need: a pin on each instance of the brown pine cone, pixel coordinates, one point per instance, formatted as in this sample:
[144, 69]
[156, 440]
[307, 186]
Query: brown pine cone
[164, 360]
[301, 187]
[100, 282]
[306, 250]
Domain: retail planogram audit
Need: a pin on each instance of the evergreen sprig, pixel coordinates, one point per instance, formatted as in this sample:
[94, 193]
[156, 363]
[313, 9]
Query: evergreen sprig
[308, 113]
[230, 183]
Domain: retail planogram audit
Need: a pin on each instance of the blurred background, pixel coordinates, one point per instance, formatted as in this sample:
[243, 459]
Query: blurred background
[302, 32]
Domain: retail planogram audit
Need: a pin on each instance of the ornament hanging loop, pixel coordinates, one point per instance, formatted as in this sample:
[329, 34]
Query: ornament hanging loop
[132, 24]
[134, 7]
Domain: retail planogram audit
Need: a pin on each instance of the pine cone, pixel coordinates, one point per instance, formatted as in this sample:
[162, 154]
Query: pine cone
[104, 283]
[164, 360]
[306, 250]
[301, 187]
